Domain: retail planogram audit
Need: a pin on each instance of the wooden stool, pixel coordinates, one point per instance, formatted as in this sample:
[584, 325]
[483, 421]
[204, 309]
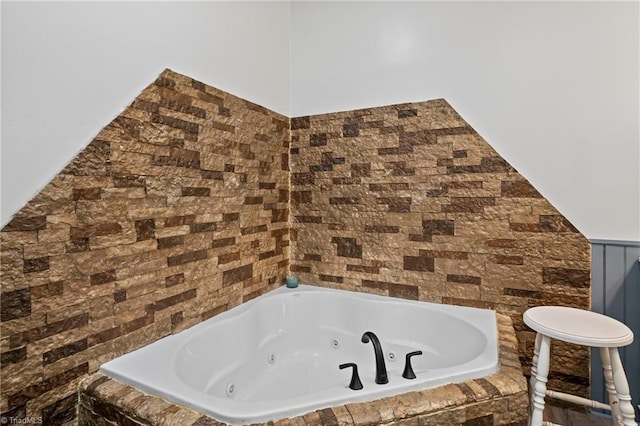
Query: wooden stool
[583, 328]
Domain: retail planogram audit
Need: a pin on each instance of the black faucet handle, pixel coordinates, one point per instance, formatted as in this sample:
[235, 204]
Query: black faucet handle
[355, 384]
[408, 369]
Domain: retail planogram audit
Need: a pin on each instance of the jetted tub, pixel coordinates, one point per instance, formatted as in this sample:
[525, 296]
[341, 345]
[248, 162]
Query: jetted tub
[277, 355]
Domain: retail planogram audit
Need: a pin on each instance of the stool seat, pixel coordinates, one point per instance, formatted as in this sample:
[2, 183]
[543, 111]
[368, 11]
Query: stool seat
[578, 326]
[583, 328]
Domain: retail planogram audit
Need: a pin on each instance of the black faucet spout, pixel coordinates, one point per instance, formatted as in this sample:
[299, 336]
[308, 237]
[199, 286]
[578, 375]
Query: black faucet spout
[381, 368]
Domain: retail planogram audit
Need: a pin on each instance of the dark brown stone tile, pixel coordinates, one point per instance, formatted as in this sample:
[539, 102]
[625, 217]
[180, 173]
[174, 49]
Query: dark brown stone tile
[64, 351]
[22, 223]
[501, 242]
[13, 356]
[103, 277]
[179, 220]
[363, 268]
[223, 242]
[301, 197]
[228, 257]
[410, 292]
[203, 227]
[145, 229]
[266, 185]
[300, 123]
[300, 268]
[266, 255]
[438, 227]
[319, 139]
[396, 204]
[87, 194]
[230, 217]
[236, 275]
[119, 296]
[36, 265]
[104, 336]
[312, 257]
[253, 200]
[565, 276]
[212, 174]
[350, 130]
[331, 278]
[253, 229]
[308, 219]
[418, 263]
[129, 181]
[347, 247]
[407, 113]
[518, 189]
[464, 279]
[533, 294]
[508, 260]
[170, 241]
[15, 304]
[167, 302]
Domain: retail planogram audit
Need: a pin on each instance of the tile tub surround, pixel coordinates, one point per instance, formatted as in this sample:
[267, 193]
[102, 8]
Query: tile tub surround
[498, 399]
[408, 200]
[176, 211]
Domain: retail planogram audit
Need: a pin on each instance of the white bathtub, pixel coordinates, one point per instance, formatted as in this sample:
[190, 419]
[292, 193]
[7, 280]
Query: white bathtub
[278, 355]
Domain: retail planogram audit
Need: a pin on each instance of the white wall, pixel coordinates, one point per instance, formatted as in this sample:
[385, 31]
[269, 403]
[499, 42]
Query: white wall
[553, 86]
[69, 68]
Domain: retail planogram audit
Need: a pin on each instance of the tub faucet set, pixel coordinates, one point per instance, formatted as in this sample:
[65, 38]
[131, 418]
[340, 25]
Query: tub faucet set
[381, 368]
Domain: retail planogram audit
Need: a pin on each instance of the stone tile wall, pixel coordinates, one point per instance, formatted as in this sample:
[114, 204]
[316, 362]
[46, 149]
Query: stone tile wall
[408, 200]
[179, 210]
[176, 211]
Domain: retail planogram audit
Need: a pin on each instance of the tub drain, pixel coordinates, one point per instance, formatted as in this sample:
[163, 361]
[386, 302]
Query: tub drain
[335, 343]
[271, 358]
[231, 389]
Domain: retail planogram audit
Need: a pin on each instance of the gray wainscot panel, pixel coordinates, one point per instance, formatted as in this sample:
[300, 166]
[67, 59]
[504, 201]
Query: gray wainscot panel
[615, 279]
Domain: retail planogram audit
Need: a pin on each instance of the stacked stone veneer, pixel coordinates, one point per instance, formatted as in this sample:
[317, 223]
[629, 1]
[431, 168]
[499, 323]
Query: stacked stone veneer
[408, 200]
[175, 212]
[179, 210]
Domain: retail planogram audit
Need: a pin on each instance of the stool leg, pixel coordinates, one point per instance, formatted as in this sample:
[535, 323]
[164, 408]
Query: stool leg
[534, 370]
[608, 381]
[539, 389]
[622, 389]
